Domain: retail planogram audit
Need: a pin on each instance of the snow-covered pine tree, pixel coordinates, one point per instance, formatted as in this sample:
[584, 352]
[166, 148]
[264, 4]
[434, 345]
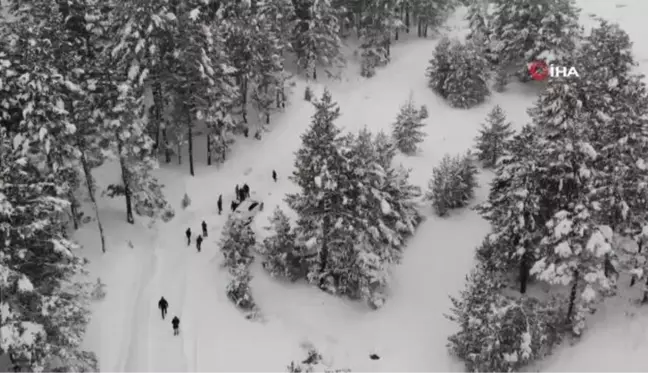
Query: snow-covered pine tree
[514, 209]
[407, 130]
[281, 259]
[453, 183]
[39, 264]
[429, 14]
[386, 149]
[236, 243]
[523, 31]
[378, 23]
[439, 66]
[319, 169]
[316, 37]
[477, 16]
[499, 333]
[493, 136]
[466, 84]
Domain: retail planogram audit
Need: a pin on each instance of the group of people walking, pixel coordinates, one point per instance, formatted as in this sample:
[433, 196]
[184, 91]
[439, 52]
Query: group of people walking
[242, 194]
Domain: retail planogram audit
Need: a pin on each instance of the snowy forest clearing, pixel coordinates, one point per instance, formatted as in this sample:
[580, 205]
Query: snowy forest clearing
[409, 333]
[287, 321]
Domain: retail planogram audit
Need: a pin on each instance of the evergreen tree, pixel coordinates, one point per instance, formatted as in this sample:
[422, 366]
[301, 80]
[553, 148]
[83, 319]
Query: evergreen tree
[316, 38]
[515, 208]
[493, 136]
[499, 333]
[378, 22]
[236, 243]
[452, 185]
[477, 20]
[279, 248]
[407, 131]
[385, 148]
[458, 73]
[523, 31]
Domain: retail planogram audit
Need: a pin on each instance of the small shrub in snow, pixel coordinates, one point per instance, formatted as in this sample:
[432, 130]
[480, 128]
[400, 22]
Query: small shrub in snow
[499, 333]
[493, 136]
[312, 363]
[238, 289]
[458, 73]
[308, 94]
[236, 243]
[407, 131]
[186, 201]
[99, 290]
[281, 258]
[453, 184]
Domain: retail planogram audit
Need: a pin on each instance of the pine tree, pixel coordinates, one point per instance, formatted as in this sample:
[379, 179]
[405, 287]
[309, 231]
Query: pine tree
[279, 248]
[452, 185]
[236, 243]
[385, 148]
[499, 333]
[493, 136]
[514, 209]
[378, 22]
[466, 84]
[477, 20]
[440, 66]
[316, 37]
[523, 31]
[407, 131]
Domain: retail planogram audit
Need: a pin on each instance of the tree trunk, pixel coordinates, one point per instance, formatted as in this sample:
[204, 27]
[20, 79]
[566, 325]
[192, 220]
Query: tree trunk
[396, 35]
[267, 117]
[74, 209]
[645, 293]
[324, 251]
[167, 149]
[572, 297]
[127, 192]
[524, 272]
[91, 191]
[244, 95]
[190, 134]
[209, 157]
[179, 150]
[407, 19]
[419, 28]
[158, 109]
[315, 73]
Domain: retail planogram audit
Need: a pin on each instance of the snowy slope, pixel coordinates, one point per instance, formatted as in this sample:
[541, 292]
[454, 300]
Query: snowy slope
[409, 333]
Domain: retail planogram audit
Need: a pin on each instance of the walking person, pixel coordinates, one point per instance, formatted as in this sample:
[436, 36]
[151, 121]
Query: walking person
[246, 191]
[234, 206]
[188, 234]
[237, 192]
[199, 241]
[274, 175]
[204, 228]
[220, 204]
[163, 305]
[176, 325]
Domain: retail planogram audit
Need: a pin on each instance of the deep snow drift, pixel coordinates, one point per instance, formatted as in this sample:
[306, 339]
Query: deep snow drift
[409, 333]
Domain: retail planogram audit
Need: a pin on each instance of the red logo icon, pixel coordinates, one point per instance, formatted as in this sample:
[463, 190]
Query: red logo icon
[539, 70]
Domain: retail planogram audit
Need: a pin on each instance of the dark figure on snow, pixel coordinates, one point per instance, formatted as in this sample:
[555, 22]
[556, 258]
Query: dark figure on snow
[204, 228]
[241, 195]
[220, 204]
[246, 191]
[237, 192]
[199, 242]
[163, 305]
[246, 132]
[234, 206]
[176, 325]
[188, 233]
[274, 175]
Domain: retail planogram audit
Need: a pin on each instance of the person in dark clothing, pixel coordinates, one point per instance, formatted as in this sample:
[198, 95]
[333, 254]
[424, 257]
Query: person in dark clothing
[188, 233]
[237, 192]
[220, 204]
[199, 242]
[163, 305]
[204, 228]
[234, 206]
[176, 325]
[274, 175]
[246, 191]
[241, 196]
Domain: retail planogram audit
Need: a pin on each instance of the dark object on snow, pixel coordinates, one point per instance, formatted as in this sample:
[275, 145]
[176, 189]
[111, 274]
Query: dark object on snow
[261, 207]
[163, 305]
[374, 357]
[246, 132]
[204, 228]
[253, 205]
[274, 175]
[246, 190]
[199, 241]
[176, 325]
[220, 204]
[237, 192]
[188, 233]
[234, 206]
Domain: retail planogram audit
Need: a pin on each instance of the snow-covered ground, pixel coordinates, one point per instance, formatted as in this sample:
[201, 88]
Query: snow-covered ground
[409, 333]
